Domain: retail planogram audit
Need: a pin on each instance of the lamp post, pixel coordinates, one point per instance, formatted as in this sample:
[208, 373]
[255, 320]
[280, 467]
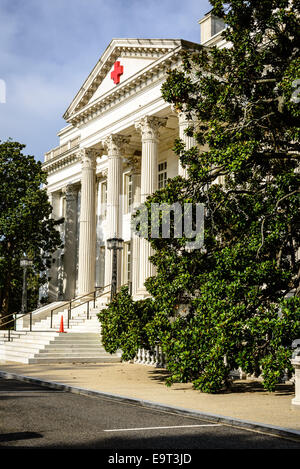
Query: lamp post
[25, 262]
[114, 244]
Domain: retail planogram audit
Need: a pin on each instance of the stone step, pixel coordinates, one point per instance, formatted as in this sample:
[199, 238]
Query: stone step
[26, 347]
[18, 353]
[13, 334]
[72, 322]
[80, 335]
[80, 343]
[14, 359]
[72, 347]
[70, 336]
[34, 340]
[73, 352]
[38, 342]
[41, 334]
[74, 359]
[79, 339]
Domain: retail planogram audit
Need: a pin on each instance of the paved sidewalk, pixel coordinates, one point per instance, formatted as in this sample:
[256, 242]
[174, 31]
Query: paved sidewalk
[248, 400]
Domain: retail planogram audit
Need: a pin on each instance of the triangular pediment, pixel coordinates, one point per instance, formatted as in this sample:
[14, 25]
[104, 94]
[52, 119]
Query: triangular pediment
[122, 69]
[126, 57]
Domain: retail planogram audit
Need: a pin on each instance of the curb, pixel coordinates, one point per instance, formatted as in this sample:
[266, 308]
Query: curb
[231, 421]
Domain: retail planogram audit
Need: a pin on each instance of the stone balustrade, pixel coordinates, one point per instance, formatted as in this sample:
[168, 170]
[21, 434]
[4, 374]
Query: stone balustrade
[73, 143]
[155, 358]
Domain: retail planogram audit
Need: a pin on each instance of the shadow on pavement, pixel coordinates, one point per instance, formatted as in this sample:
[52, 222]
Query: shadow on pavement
[4, 437]
[223, 439]
[238, 386]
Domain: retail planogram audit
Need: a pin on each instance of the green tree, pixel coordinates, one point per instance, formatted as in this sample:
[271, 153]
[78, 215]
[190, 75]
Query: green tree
[243, 288]
[25, 226]
[123, 324]
[235, 302]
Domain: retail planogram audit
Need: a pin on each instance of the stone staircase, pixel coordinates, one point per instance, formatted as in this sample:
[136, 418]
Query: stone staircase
[80, 343]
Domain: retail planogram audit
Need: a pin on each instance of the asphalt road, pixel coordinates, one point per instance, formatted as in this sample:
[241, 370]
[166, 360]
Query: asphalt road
[34, 417]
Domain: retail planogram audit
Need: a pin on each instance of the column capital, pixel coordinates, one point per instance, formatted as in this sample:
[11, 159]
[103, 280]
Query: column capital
[87, 157]
[87, 238]
[149, 126]
[115, 144]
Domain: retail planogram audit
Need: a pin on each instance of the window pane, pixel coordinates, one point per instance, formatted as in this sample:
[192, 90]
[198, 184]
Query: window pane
[162, 175]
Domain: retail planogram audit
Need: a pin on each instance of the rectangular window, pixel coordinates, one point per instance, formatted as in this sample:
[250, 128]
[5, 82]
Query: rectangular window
[130, 192]
[127, 263]
[63, 207]
[101, 267]
[128, 189]
[162, 175]
[103, 199]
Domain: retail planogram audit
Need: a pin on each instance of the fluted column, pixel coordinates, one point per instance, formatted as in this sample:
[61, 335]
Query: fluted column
[87, 237]
[115, 145]
[149, 128]
[54, 199]
[135, 241]
[189, 142]
[70, 242]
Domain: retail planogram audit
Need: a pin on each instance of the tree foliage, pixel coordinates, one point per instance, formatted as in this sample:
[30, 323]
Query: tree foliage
[236, 302]
[25, 225]
[123, 324]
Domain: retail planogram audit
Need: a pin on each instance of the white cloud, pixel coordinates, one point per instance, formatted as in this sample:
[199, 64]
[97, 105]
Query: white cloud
[47, 49]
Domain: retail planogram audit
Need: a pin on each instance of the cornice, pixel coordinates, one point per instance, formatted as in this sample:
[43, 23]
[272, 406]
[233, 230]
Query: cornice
[154, 72]
[151, 74]
[61, 161]
[118, 48]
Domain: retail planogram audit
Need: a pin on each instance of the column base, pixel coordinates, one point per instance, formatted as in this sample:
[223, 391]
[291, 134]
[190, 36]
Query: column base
[141, 294]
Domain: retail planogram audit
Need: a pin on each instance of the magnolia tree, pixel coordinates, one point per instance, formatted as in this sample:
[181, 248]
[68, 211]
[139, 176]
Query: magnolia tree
[25, 226]
[234, 303]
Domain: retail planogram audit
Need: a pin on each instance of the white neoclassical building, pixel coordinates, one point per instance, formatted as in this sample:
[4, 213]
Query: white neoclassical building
[115, 150]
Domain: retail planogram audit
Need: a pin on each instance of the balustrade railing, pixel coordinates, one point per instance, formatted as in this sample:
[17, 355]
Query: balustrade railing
[152, 358]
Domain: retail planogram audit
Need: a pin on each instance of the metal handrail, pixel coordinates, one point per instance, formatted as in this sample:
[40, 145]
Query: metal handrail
[25, 314]
[10, 314]
[70, 307]
[68, 303]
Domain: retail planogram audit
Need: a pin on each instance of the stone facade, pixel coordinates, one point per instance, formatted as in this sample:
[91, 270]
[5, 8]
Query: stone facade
[115, 151]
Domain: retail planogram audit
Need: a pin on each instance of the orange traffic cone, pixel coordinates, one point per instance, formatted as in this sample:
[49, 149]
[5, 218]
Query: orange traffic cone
[61, 324]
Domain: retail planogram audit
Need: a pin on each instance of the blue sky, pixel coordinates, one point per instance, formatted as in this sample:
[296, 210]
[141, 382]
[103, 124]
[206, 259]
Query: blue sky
[48, 48]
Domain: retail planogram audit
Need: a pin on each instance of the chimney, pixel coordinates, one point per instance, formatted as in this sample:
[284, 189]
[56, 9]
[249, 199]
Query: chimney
[210, 25]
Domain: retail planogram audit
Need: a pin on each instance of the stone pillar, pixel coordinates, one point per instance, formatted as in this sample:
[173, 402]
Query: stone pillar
[135, 241]
[87, 237]
[70, 242]
[189, 142]
[52, 273]
[115, 150]
[149, 128]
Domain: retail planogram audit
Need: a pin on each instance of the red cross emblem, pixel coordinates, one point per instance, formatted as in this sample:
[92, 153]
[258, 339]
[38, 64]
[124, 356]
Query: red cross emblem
[117, 72]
